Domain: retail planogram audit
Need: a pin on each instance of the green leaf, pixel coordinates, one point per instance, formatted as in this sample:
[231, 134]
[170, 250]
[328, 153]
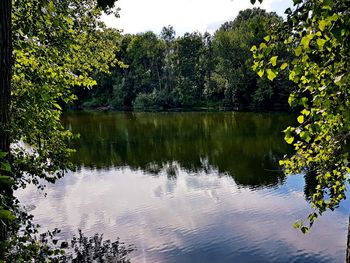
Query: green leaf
[301, 119]
[6, 214]
[321, 42]
[327, 7]
[6, 180]
[57, 106]
[304, 101]
[262, 46]
[322, 25]
[305, 112]
[289, 138]
[267, 38]
[305, 136]
[292, 100]
[284, 66]
[305, 41]
[273, 60]
[6, 167]
[271, 75]
[261, 73]
[298, 51]
[254, 48]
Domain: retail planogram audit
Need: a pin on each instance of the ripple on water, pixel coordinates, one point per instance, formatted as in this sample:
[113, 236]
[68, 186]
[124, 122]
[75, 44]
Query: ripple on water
[200, 218]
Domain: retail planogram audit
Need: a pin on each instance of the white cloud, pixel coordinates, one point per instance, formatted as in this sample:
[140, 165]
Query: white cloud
[162, 217]
[185, 15]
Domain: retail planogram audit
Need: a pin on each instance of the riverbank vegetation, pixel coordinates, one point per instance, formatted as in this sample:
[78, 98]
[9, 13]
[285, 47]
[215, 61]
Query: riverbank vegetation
[194, 70]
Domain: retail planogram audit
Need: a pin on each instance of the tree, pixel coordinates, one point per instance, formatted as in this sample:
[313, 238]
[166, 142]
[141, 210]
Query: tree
[193, 70]
[5, 72]
[144, 76]
[189, 68]
[54, 50]
[5, 89]
[317, 32]
[146, 54]
[56, 45]
[168, 36]
[6, 66]
[236, 82]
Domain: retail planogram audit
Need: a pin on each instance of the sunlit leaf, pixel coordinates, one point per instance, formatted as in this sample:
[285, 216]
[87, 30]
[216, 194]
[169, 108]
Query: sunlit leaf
[284, 66]
[273, 60]
[271, 75]
[301, 119]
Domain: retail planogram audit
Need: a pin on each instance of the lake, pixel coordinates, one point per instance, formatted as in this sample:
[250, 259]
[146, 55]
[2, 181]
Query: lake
[188, 187]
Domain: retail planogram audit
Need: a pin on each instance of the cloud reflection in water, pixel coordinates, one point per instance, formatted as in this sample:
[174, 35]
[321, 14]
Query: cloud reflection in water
[193, 218]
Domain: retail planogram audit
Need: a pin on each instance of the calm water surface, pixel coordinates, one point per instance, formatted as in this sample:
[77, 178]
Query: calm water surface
[188, 187]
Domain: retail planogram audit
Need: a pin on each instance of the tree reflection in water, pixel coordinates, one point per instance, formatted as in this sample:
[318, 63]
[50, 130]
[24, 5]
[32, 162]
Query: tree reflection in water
[245, 146]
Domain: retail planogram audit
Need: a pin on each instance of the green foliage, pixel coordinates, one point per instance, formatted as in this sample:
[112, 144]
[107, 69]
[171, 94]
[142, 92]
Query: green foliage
[233, 74]
[47, 247]
[161, 72]
[158, 100]
[190, 57]
[28, 245]
[317, 34]
[194, 70]
[6, 182]
[145, 101]
[95, 249]
[57, 45]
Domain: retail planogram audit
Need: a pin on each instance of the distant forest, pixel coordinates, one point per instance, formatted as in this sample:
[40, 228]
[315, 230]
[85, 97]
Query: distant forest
[195, 70]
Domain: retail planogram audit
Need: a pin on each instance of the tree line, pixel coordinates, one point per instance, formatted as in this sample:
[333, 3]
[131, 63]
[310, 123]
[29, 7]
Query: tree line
[194, 70]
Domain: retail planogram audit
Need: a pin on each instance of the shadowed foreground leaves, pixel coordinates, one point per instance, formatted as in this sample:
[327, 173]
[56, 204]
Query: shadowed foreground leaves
[95, 249]
[46, 247]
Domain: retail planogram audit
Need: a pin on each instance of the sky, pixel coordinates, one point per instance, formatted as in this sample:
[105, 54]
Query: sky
[184, 15]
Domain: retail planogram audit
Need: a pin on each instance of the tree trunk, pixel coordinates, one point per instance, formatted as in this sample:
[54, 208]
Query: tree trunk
[5, 92]
[159, 80]
[5, 73]
[348, 245]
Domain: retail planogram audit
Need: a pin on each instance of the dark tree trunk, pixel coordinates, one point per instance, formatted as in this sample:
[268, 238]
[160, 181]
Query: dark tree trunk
[348, 245]
[5, 92]
[5, 73]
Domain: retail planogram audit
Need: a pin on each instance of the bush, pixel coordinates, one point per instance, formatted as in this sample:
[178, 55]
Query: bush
[122, 96]
[145, 101]
[155, 101]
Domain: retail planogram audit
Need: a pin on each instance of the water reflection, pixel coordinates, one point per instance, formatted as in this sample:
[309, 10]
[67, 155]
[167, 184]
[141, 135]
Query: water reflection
[193, 218]
[188, 187]
[245, 146]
